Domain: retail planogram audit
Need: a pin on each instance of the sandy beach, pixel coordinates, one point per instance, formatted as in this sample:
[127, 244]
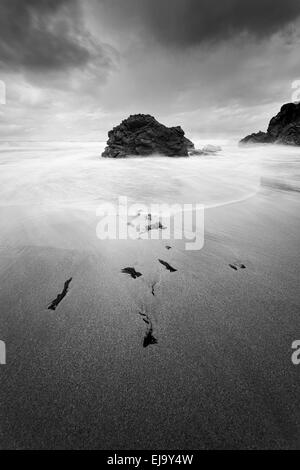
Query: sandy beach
[150, 229]
[220, 375]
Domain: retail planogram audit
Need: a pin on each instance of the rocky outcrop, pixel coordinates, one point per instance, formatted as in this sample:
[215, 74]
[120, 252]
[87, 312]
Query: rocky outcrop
[257, 138]
[142, 134]
[284, 128]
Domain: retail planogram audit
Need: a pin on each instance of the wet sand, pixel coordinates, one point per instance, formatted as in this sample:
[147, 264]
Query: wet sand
[220, 375]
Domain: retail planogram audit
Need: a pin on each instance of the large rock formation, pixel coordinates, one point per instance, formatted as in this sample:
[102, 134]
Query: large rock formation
[284, 128]
[142, 134]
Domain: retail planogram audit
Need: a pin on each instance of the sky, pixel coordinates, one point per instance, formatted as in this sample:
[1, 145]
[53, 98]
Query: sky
[72, 69]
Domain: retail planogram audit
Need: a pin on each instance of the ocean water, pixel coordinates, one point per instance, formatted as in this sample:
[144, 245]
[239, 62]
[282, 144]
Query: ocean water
[73, 174]
[47, 181]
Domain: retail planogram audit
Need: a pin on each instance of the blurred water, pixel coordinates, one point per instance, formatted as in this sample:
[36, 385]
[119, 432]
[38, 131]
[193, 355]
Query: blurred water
[72, 174]
[43, 185]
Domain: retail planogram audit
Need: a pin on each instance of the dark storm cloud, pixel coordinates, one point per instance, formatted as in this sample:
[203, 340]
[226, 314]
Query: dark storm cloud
[43, 35]
[190, 22]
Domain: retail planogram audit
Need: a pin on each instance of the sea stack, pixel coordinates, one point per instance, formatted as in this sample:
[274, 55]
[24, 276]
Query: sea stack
[142, 134]
[284, 128]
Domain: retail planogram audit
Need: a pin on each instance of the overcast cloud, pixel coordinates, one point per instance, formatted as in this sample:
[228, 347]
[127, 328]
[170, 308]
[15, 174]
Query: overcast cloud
[184, 23]
[73, 69]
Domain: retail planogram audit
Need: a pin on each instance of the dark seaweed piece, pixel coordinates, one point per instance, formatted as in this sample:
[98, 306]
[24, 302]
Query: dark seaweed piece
[152, 288]
[60, 296]
[132, 272]
[167, 266]
[156, 226]
[143, 314]
[149, 339]
[233, 267]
